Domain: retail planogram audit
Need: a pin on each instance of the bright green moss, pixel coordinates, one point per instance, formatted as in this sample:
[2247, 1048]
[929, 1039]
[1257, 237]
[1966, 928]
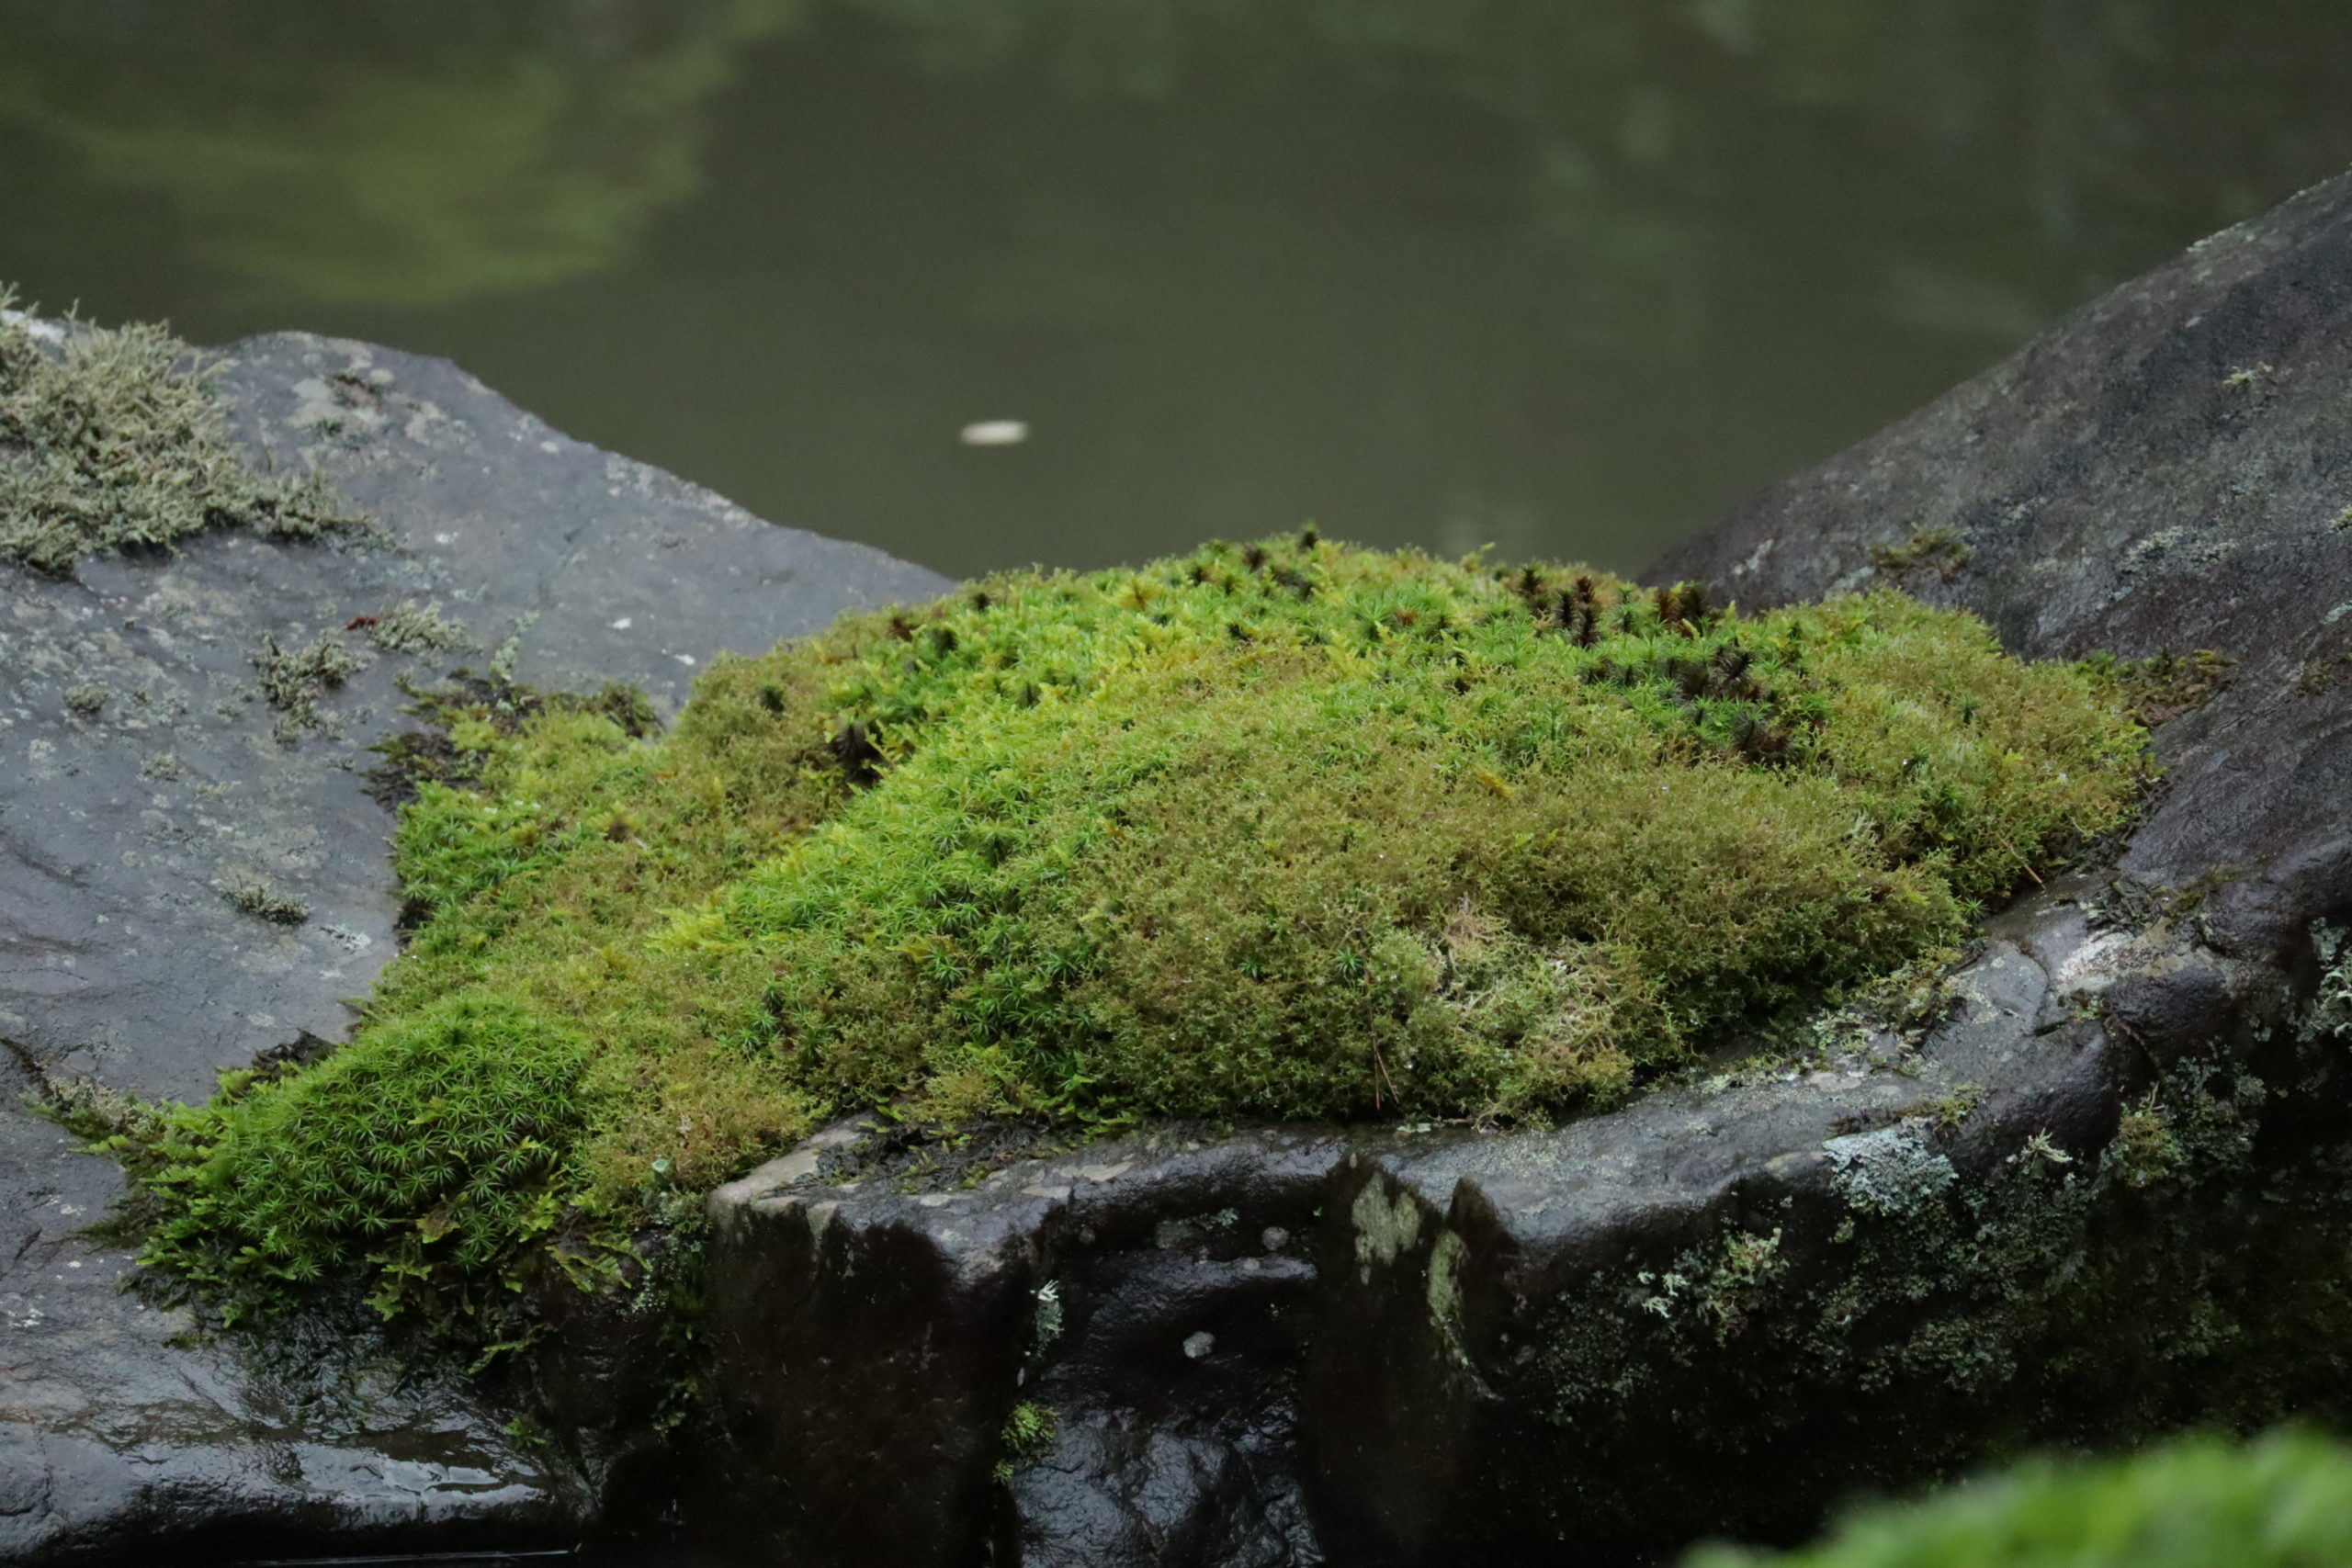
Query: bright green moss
[428, 1156]
[1290, 830]
[2284, 1502]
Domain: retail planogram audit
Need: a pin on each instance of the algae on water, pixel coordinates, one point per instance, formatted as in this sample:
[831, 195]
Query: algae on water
[111, 439]
[1288, 830]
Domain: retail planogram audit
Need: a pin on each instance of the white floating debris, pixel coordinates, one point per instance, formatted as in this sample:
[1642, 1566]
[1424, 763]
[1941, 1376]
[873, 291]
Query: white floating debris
[996, 433]
[621, 625]
[1198, 1345]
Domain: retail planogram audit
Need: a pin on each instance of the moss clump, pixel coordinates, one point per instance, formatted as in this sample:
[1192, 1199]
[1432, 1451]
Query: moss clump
[1288, 830]
[428, 1156]
[1028, 1436]
[295, 681]
[2159, 689]
[1937, 552]
[2283, 1502]
[264, 902]
[413, 628]
[115, 441]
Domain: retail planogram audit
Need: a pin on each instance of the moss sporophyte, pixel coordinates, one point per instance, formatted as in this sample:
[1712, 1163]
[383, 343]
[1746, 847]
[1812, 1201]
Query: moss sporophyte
[1282, 831]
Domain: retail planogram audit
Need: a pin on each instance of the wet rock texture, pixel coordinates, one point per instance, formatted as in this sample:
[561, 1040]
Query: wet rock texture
[129, 812]
[1152, 1292]
[2101, 1193]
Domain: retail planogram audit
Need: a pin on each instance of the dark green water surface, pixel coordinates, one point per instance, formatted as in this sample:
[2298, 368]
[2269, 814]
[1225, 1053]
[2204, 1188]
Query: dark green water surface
[1565, 276]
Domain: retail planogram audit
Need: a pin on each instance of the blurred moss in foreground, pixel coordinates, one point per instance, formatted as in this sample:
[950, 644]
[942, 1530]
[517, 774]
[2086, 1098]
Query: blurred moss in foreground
[2283, 1502]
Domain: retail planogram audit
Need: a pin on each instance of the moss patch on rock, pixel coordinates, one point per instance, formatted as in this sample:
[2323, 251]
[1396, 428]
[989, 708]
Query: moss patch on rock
[111, 439]
[1280, 830]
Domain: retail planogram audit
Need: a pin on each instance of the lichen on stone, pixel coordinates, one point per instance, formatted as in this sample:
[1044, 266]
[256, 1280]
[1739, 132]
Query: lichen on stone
[264, 902]
[294, 681]
[1387, 1225]
[111, 438]
[1890, 1172]
[413, 629]
[2330, 1017]
[2060, 1290]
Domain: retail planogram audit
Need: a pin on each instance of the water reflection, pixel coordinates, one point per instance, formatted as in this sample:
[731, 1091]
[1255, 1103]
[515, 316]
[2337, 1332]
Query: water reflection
[1563, 274]
[384, 154]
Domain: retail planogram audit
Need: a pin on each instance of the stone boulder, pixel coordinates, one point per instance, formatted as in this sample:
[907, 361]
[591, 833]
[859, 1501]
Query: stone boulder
[156, 808]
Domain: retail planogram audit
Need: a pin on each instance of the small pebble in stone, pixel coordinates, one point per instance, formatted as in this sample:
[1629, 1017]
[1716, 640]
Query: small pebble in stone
[1274, 1239]
[1198, 1345]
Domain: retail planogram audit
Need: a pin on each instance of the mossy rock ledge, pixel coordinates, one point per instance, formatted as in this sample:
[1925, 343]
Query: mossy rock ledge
[193, 875]
[2103, 1197]
[2094, 1194]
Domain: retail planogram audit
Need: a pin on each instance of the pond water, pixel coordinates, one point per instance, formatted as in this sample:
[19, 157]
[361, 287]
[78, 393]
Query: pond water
[1567, 277]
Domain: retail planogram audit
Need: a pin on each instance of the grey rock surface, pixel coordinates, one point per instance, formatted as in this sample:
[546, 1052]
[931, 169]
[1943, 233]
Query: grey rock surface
[125, 821]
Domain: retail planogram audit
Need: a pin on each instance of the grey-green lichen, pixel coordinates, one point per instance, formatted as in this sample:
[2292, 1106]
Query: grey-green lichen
[1891, 1171]
[1717, 1289]
[112, 439]
[2331, 1012]
[295, 679]
[1387, 1225]
[264, 902]
[414, 628]
[2051, 1270]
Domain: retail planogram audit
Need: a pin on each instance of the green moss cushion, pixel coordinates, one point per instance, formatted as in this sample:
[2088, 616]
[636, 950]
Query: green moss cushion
[1284, 830]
